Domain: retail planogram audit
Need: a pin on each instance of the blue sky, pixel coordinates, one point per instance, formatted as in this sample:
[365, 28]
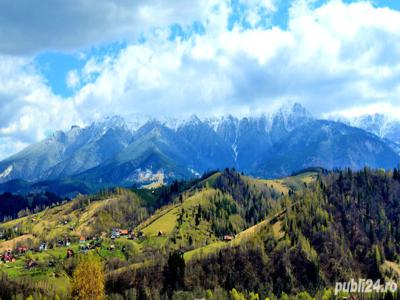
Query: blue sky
[73, 62]
[54, 65]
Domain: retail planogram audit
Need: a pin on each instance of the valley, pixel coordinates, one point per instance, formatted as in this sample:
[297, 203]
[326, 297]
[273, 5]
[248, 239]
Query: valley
[222, 221]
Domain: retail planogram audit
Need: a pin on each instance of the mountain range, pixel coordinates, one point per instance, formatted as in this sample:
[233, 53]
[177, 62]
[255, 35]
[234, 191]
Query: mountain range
[109, 152]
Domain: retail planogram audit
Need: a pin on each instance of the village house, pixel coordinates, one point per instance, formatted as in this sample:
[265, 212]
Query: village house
[7, 256]
[124, 232]
[115, 233]
[228, 238]
[21, 249]
[42, 247]
[66, 242]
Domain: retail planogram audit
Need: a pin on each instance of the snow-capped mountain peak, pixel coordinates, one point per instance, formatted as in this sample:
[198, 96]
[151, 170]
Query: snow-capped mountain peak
[111, 122]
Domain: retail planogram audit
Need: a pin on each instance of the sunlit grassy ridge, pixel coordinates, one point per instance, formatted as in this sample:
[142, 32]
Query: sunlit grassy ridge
[195, 221]
[59, 221]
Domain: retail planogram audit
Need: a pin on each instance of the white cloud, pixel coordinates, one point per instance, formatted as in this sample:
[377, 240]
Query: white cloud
[329, 58]
[335, 58]
[10, 145]
[256, 11]
[31, 26]
[72, 79]
[28, 109]
[370, 109]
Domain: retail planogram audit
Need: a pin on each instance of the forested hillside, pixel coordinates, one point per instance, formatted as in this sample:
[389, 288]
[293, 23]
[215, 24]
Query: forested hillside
[224, 236]
[12, 206]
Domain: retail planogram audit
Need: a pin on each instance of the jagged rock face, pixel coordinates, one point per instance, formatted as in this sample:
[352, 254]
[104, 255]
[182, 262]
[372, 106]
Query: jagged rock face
[329, 145]
[267, 145]
[383, 125]
[210, 148]
[68, 153]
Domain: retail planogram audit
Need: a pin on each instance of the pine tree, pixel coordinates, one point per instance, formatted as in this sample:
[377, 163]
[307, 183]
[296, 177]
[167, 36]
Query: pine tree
[395, 174]
[175, 272]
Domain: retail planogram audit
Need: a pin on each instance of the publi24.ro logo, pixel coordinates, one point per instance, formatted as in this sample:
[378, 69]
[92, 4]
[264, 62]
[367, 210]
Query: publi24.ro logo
[365, 286]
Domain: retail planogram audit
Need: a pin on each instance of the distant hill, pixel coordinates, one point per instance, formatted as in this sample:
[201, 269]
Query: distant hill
[11, 206]
[64, 188]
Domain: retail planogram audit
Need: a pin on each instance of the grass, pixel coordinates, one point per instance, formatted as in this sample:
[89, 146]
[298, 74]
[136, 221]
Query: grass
[45, 276]
[210, 181]
[53, 277]
[205, 251]
[11, 244]
[13, 269]
[187, 232]
[165, 223]
[49, 224]
[166, 220]
[293, 182]
[277, 230]
[155, 216]
[131, 267]
[239, 239]
[17, 268]
[391, 266]
[277, 184]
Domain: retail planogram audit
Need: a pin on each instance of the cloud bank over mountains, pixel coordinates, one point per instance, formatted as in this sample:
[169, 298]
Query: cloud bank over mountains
[203, 57]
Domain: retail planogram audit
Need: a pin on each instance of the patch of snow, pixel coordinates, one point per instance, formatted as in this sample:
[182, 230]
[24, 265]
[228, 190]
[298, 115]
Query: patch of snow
[173, 123]
[135, 125]
[111, 122]
[176, 123]
[194, 172]
[235, 150]
[214, 123]
[74, 132]
[6, 172]
[382, 125]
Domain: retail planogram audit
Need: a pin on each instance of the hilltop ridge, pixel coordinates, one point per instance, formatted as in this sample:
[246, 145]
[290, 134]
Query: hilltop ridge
[287, 234]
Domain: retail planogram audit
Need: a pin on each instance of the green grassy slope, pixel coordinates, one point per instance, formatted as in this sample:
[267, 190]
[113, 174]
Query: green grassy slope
[194, 221]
